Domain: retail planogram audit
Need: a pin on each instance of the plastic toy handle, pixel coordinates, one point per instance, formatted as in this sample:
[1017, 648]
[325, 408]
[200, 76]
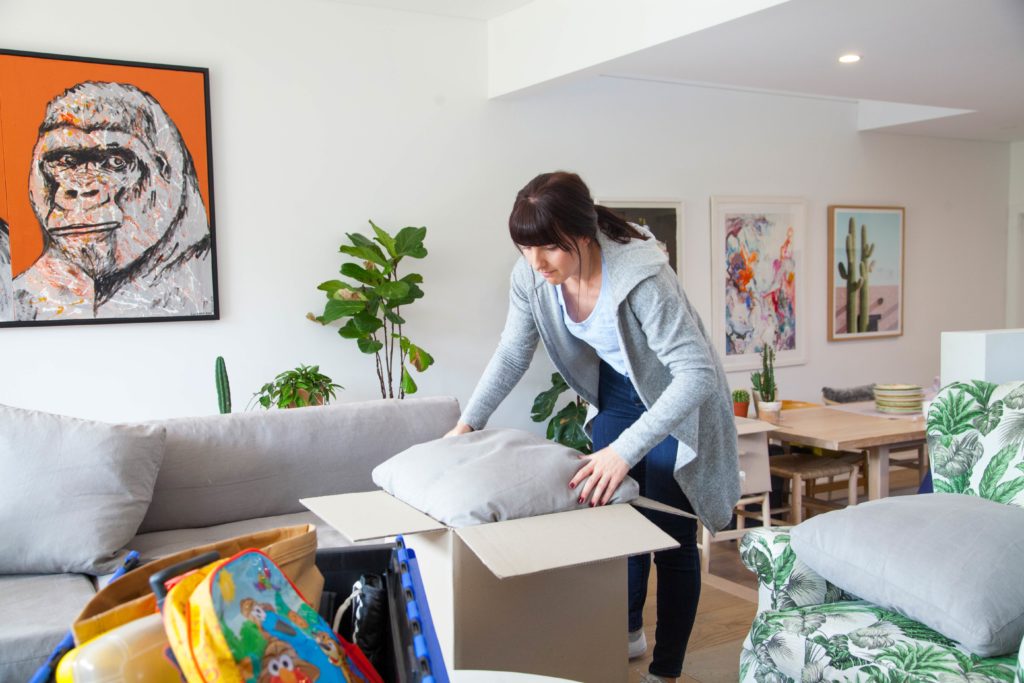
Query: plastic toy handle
[158, 579]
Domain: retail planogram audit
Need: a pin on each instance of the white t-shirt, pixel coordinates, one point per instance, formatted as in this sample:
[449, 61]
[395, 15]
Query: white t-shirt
[600, 328]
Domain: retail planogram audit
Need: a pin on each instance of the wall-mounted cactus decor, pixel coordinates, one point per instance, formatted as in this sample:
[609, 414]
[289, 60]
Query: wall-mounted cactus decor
[865, 274]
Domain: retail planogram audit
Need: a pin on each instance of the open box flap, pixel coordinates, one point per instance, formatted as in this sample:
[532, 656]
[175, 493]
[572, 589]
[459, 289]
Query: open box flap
[565, 539]
[369, 515]
[651, 504]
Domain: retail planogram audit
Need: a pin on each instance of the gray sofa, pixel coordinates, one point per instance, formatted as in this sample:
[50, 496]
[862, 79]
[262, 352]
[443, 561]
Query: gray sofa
[221, 476]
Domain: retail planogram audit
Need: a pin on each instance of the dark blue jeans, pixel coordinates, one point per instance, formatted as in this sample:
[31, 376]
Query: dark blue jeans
[678, 569]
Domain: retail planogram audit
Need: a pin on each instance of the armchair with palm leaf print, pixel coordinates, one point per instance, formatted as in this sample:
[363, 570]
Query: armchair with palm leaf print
[808, 629]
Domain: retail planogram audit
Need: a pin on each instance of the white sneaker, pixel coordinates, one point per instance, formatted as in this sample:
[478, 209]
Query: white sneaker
[651, 678]
[637, 644]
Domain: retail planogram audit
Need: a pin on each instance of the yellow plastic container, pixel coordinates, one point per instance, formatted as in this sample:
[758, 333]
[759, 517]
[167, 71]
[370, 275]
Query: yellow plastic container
[133, 652]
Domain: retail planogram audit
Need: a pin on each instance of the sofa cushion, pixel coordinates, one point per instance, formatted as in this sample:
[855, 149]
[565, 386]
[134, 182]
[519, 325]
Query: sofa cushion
[225, 468]
[487, 476]
[949, 561]
[72, 492]
[37, 611]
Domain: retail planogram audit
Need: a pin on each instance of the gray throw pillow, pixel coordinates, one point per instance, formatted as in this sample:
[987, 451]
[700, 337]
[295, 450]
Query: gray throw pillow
[72, 492]
[488, 476]
[950, 561]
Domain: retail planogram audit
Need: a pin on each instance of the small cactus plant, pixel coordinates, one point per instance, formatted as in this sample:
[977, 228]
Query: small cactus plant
[763, 381]
[740, 396]
[223, 386]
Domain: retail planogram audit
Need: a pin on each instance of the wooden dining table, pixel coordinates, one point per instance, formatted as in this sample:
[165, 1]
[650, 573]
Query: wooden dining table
[841, 430]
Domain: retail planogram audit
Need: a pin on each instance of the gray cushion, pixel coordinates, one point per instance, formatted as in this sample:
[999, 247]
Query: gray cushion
[225, 468]
[488, 476]
[863, 392]
[37, 613]
[72, 492]
[950, 561]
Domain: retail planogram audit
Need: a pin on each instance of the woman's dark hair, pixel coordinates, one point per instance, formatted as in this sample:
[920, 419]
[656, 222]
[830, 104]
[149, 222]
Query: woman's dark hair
[556, 208]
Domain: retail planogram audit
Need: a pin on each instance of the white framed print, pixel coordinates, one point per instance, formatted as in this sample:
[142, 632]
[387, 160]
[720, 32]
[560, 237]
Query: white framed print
[758, 273]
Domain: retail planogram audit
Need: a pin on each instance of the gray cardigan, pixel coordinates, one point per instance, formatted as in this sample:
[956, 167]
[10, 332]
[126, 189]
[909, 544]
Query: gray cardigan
[670, 358]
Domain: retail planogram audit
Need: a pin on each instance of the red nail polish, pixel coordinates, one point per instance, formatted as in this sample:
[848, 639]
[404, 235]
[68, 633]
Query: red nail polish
[572, 486]
[580, 499]
[592, 503]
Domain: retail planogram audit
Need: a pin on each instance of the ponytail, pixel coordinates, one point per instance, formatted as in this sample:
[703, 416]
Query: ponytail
[556, 208]
[615, 226]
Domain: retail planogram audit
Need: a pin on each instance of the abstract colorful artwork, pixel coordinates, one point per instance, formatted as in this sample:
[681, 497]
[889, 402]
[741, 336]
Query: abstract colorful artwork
[106, 192]
[758, 279]
[663, 218]
[865, 280]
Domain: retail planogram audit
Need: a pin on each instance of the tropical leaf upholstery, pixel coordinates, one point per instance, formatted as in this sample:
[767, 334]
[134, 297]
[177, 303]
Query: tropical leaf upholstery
[975, 439]
[784, 581]
[808, 629]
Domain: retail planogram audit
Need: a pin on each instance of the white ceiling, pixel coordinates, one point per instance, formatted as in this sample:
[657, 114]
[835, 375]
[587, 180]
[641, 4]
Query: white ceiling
[954, 54]
[467, 9]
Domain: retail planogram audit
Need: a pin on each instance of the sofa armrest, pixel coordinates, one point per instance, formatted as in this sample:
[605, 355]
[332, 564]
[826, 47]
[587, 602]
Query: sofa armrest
[784, 581]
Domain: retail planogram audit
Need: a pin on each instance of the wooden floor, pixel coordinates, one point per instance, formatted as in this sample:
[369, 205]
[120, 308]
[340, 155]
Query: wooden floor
[727, 606]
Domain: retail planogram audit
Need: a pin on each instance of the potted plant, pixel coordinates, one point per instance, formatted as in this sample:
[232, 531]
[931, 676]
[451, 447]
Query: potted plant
[370, 303]
[303, 386]
[220, 372]
[566, 427]
[740, 402]
[765, 388]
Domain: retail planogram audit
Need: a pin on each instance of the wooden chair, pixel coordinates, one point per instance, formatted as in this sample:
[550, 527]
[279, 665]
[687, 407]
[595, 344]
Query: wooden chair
[803, 473]
[755, 487]
[706, 537]
[805, 468]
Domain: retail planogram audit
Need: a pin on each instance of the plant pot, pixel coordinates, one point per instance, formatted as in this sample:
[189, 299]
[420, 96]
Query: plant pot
[740, 409]
[304, 395]
[769, 411]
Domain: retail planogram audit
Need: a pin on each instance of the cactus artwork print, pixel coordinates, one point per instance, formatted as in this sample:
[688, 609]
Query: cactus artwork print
[866, 272]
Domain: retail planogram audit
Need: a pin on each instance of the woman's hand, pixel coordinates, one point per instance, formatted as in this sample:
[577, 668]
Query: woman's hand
[606, 470]
[459, 428]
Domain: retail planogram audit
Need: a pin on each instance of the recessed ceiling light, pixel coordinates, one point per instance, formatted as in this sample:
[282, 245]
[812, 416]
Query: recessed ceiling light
[849, 58]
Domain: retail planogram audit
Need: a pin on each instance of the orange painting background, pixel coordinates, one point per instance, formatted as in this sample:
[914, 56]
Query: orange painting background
[28, 83]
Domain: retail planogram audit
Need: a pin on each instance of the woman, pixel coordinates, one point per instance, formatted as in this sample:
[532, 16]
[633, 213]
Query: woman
[600, 294]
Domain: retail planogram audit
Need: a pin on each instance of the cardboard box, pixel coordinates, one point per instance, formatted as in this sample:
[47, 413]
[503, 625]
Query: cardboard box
[543, 595]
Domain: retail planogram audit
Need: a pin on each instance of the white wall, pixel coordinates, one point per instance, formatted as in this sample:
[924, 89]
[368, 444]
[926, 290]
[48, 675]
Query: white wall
[1015, 239]
[325, 115]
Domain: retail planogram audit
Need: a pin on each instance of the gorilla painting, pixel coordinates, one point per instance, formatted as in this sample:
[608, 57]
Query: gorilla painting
[5, 273]
[125, 231]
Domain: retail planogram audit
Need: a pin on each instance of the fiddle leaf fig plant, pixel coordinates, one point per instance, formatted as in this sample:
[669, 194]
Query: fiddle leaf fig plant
[370, 300]
[566, 427]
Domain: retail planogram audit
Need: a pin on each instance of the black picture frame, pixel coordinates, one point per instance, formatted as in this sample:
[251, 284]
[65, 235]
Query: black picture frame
[106, 192]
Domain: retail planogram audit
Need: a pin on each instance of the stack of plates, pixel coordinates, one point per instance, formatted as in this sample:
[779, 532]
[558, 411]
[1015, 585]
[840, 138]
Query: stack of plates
[899, 398]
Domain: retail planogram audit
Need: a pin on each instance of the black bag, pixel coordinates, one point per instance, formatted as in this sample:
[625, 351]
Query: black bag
[370, 617]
